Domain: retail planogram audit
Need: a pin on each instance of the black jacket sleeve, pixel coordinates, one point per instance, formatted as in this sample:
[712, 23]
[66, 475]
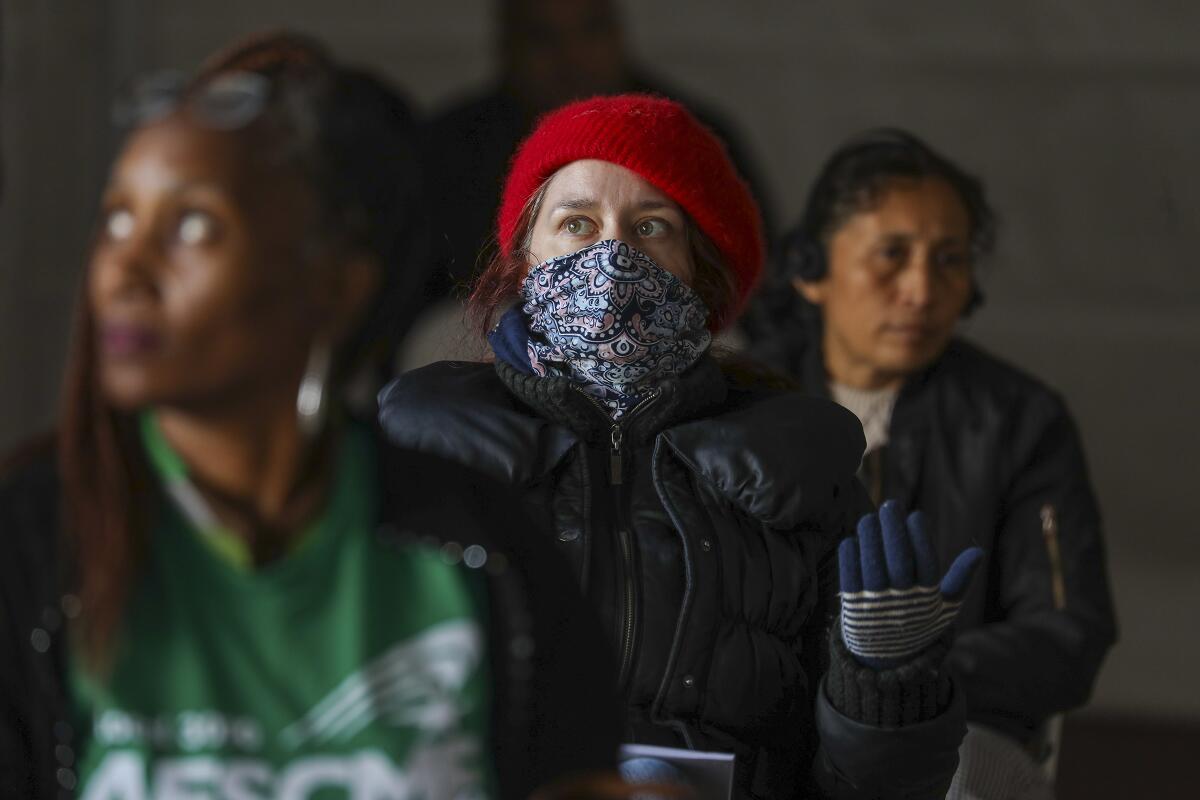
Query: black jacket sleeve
[30, 694]
[575, 715]
[887, 734]
[16, 762]
[1040, 659]
[555, 709]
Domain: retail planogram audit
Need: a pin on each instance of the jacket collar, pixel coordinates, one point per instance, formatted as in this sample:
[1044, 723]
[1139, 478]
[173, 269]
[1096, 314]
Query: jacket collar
[517, 427]
[461, 412]
[779, 456]
[559, 400]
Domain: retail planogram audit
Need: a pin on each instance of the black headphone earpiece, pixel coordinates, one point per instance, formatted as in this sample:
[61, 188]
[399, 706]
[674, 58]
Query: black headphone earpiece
[976, 300]
[812, 266]
[803, 255]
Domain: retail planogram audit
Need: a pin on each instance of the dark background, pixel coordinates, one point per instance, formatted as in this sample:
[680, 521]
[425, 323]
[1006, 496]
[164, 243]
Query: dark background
[1083, 117]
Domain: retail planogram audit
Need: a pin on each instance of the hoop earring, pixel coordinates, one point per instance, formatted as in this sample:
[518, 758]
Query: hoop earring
[312, 401]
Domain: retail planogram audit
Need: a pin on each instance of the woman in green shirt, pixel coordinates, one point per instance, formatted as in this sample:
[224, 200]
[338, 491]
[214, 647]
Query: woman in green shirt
[253, 595]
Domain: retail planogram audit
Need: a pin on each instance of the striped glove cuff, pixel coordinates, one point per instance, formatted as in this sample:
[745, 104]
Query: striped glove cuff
[883, 628]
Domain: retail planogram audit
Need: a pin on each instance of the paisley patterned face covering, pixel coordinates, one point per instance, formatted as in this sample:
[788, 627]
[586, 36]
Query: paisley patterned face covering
[613, 320]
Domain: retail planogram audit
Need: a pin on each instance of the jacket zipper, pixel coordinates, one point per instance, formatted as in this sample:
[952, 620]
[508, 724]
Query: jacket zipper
[616, 456]
[1050, 537]
[616, 475]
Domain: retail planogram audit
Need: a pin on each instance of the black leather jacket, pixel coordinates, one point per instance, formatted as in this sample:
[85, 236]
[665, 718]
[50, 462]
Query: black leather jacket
[553, 711]
[994, 458]
[704, 528]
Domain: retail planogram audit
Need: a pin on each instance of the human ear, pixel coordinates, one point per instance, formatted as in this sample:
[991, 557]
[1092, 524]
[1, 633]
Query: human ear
[812, 291]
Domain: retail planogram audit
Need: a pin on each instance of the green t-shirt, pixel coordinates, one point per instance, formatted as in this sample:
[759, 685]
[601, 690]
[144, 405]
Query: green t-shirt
[349, 668]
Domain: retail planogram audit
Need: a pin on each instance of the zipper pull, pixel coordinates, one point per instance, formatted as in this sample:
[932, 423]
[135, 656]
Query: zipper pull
[614, 456]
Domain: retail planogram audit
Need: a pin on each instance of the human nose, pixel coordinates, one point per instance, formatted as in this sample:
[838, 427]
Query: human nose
[125, 269]
[620, 230]
[916, 282]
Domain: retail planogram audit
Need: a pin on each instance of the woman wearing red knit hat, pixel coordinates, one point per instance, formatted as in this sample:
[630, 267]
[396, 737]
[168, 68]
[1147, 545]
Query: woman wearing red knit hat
[700, 515]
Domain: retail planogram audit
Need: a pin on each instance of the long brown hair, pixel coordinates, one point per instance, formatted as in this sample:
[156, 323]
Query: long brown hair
[354, 141]
[499, 282]
[103, 481]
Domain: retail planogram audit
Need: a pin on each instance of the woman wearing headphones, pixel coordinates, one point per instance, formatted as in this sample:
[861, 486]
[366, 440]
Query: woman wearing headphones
[874, 282]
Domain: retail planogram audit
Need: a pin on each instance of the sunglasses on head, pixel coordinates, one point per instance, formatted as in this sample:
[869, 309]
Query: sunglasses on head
[228, 101]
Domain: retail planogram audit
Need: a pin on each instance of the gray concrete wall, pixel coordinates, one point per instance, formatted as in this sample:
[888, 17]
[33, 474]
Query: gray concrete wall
[1083, 116]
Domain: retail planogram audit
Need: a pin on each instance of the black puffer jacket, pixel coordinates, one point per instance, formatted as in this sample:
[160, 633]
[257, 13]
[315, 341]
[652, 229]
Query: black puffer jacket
[542, 639]
[994, 459]
[704, 528]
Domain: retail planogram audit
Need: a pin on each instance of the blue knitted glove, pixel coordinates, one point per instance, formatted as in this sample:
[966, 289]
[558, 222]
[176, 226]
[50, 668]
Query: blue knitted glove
[893, 605]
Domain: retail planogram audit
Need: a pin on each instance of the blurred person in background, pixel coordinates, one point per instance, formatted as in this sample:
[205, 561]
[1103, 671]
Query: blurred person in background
[872, 285]
[550, 52]
[226, 583]
[701, 515]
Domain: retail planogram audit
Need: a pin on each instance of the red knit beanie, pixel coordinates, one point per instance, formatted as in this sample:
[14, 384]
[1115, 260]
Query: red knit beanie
[663, 143]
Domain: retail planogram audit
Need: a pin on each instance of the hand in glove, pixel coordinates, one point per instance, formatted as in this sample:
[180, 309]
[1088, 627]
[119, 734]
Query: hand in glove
[893, 605]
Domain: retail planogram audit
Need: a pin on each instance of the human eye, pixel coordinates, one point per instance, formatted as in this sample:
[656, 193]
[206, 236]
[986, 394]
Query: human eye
[196, 228]
[652, 227]
[952, 260]
[890, 256]
[579, 226]
[118, 224]
[895, 253]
